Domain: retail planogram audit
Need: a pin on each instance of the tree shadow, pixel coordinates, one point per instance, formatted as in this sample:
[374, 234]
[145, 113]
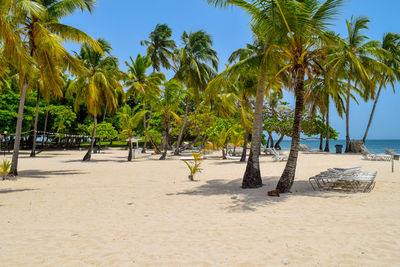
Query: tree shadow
[229, 161]
[38, 174]
[7, 191]
[94, 160]
[251, 199]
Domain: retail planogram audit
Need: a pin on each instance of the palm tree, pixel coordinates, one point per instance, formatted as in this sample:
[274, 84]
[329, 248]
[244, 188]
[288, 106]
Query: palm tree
[357, 58]
[319, 93]
[160, 48]
[168, 103]
[197, 64]
[99, 87]
[304, 45]
[391, 43]
[128, 121]
[41, 34]
[143, 86]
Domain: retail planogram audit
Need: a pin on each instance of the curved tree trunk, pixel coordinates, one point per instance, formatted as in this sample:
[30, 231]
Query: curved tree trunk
[286, 181]
[130, 149]
[271, 139]
[17, 142]
[321, 140]
[244, 152]
[278, 144]
[33, 152]
[88, 155]
[178, 143]
[348, 149]
[372, 113]
[252, 175]
[203, 142]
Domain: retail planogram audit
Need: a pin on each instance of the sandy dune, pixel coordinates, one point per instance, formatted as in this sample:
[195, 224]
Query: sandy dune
[108, 212]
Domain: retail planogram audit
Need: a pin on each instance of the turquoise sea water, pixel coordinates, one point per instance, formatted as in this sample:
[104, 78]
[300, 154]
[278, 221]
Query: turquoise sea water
[374, 146]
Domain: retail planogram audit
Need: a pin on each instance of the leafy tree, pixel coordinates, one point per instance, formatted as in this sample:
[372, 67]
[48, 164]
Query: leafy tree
[38, 23]
[99, 87]
[160, 47]
[197, 64]
[144, 87]
[129, 120]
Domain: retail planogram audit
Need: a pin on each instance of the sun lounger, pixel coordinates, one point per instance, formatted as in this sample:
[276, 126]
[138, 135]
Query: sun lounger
[276, 155]
[351, 180]
[369, 156]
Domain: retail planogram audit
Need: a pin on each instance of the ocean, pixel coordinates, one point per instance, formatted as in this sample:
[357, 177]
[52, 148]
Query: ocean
[374, 146]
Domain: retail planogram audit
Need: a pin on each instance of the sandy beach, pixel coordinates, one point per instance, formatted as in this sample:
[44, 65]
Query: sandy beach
[110, 212]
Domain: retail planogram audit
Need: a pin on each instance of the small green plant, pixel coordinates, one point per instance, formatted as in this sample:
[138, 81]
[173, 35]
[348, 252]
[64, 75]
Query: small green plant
[5, 168]
[194, 166]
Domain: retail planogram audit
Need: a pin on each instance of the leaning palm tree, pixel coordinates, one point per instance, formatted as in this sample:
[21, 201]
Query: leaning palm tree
[197, 64]
[144, 87]
[160, 47]
[42, 35]
[129, 120]
[99, 87]
[391, 43]
[357, 58]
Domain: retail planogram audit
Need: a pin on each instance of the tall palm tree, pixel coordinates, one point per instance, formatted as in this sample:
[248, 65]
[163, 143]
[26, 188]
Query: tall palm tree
[304, 46]
[41, 34]
[391, 43]
[160, 47]
[143, 86]
[99, 87]
[170, 99]
[319, 93]
[197, 64]
[357, 58]
[129, 120]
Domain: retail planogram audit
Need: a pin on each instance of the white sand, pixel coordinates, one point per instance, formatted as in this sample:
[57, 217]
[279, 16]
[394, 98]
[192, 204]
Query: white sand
[108, 212]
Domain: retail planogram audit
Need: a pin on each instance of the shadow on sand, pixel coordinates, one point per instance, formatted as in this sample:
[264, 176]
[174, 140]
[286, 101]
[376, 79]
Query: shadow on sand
[251, 199]
[38, 174]
[7, 191]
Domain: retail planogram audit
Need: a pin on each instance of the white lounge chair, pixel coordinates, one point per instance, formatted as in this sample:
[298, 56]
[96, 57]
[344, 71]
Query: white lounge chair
[351, 179]
[276, 155]
[369, 156]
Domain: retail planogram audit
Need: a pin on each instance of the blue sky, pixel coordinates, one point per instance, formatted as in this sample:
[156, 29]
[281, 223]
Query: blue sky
[125, 22]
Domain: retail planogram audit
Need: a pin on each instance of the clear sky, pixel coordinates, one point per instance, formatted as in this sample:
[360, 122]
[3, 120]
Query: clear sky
[125, 22]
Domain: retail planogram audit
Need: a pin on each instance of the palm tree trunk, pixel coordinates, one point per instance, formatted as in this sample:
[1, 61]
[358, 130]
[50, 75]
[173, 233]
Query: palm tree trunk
[327, 130]
[88, 155]
[148, 135]
[178, 143]
[223, 153]
[278, 144]
[105, 113]
[348, 112]
[372, 113]
[286, 181]
[130, 149]
[33, 152]
[17, 142]
[244, 152]
[252, 175]
[45, 125]
[165, 144]
[321, 140]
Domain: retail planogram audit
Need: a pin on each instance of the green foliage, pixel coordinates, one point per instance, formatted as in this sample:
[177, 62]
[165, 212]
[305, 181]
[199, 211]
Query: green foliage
[316, 126]
[104, 130]
[63, 117]
[5, 168]
[194, 167]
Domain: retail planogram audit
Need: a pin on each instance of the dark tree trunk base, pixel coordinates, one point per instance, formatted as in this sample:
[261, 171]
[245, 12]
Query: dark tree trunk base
[87, 157]
[163, 156]
[252, 175]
